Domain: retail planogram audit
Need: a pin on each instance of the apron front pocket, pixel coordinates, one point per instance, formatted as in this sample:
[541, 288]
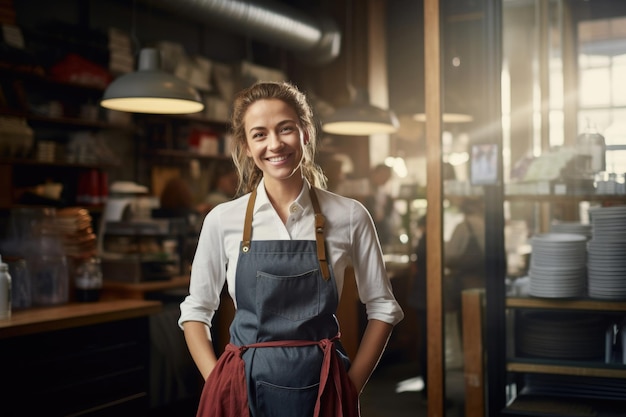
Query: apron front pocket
[293, 297]
[277, 401]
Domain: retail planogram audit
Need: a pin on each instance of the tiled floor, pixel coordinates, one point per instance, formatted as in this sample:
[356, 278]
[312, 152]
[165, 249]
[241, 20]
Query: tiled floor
[380, 398]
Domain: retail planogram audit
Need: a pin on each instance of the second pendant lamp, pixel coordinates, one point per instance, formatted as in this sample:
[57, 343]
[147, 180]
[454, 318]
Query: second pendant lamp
[360, 118]
[151, 90]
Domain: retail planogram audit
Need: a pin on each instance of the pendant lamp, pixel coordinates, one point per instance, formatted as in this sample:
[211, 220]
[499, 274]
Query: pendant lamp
[151, 90]
[360, 118]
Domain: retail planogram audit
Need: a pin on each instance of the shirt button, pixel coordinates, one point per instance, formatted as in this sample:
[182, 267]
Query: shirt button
[294, 208]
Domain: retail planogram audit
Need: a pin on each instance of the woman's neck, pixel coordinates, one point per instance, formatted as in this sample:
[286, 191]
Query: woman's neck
[282, 193]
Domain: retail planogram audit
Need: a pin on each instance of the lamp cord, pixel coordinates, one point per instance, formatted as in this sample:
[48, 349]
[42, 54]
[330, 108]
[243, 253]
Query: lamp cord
[351, 90]
[133, 28]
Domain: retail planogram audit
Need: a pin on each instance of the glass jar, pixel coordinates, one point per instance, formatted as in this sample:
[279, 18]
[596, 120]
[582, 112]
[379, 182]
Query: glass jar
[5, 291]
[88, 280]
[48, 266]
[21, 292]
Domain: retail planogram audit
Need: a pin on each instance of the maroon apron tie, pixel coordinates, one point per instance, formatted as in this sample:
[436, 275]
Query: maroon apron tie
[225, 395]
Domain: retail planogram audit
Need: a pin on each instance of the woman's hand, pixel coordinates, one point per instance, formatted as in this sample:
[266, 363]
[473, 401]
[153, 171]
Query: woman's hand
[197, 336]
[370, 350]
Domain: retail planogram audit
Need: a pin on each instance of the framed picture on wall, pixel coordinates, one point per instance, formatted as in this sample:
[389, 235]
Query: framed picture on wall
[484, 164]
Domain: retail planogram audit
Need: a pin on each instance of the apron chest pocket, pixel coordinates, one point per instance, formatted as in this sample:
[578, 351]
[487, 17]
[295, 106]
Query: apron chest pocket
[293, 297]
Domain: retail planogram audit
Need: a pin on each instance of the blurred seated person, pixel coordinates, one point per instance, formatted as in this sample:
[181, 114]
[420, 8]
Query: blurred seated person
[380, 204]
[177, 203]
[223, 187]
[417, 299]
[464, 252]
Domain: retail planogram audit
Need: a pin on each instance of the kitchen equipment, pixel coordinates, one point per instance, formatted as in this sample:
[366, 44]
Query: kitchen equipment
[141, 250]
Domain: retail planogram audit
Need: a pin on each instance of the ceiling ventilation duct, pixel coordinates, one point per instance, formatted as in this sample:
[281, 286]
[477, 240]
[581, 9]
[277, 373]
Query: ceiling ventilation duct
[314, 39]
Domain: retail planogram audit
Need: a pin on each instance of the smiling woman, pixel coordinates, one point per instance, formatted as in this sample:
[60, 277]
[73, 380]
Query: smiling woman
[285, 267]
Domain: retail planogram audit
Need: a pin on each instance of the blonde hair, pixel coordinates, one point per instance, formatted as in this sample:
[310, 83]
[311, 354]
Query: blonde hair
[249, 173]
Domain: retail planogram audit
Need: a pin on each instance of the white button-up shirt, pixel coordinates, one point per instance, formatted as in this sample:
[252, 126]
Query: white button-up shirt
[350, 237]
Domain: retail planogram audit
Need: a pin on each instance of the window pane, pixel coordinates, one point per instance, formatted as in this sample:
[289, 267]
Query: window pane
[616, 161]
[595, 87]
[619, 83]
[590, 61]
[600, 119]
[556, 128]
[616, 133]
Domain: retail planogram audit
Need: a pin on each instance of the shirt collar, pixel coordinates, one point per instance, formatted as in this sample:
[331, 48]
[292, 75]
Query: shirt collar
[262, 200]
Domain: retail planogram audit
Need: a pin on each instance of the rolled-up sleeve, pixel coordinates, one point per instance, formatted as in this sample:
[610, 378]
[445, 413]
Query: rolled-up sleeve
[208, 273]
[373, 284]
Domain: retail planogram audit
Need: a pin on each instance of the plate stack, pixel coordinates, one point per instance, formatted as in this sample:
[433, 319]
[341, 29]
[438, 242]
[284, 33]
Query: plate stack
[558, 265]
[606, 265]
[575, 228]
[606, 389]
[561, 335]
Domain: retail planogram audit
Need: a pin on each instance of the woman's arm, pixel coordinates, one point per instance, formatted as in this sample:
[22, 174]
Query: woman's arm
[370, 350]
[200, 346]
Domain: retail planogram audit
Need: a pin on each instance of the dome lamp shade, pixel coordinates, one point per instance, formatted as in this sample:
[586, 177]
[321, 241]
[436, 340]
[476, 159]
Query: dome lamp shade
[151, 90]
[360, 118]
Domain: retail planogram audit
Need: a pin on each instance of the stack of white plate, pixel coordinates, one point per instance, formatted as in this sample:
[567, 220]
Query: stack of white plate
[606, 253]
[558, 265]
[546, 386]
[575, 228]
[561, 335]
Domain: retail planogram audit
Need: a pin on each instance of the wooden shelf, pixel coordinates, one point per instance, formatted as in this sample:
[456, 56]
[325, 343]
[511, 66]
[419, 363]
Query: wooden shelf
[77, 122]
[65, 122]
[581, 304]
[39, 76]
[181, 154]
[551, 406]
[184, 118]
[554, 198]
[62, 164]
[601, 370]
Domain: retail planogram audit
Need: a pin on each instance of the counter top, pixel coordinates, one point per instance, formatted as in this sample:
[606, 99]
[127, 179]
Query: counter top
[137, 290]
[45, 319]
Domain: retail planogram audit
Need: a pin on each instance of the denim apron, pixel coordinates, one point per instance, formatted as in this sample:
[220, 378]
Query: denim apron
[285, 291]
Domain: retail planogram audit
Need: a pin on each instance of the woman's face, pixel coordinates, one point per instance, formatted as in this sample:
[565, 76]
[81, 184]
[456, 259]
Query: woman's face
[274, 139]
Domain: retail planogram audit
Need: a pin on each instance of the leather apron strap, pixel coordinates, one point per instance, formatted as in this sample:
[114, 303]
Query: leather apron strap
[320, 223]
[247, 225]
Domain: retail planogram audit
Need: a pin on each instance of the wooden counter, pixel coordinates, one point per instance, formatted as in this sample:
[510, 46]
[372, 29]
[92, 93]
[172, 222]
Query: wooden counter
[113, 289]
[87, 359]
[46, 319]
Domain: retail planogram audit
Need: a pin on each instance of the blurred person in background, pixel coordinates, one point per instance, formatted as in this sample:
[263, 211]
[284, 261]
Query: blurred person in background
[380, 204]
[464, 253]
[417, 300]
[223, 187]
